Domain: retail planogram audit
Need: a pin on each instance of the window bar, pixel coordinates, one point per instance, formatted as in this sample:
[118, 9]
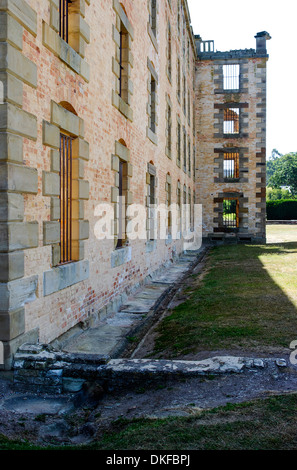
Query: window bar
[70, 200]
[66, 199]
[121, 60]
[66, 21]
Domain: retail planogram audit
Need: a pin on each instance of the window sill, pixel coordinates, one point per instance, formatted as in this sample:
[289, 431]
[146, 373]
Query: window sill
[152, 36]
[66, 53]
[121, 256]
[122, 106]
[64, 276]
[152, 136]
[151, 245]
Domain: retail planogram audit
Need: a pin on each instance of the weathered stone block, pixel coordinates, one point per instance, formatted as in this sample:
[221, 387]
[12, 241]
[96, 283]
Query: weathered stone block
[11, 148]
[50, 135]
[55, 161]
[64, 119]
[11, 347]
[65, 276]
[12, 88]
[11, 207]
[15, 294]
[12, 324]
[55, 208]
[122, 152]
[22, 12]
[14, 61]
[11, 266]
[51, 233]
[10, 30]
[18, 178]
[50, 184]
[18, 236]
[17, 121]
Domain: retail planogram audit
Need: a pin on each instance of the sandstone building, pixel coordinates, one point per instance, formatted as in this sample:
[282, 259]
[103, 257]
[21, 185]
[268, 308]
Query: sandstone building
[106, 99]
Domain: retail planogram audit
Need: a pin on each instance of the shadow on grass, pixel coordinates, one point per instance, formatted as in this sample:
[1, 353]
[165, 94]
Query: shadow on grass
[246, 301]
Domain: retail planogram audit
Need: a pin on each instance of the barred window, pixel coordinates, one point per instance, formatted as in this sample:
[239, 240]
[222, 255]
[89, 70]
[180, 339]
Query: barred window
[64, 19]
[123, 63]
[168, 130]
[231, 165]
[231, 121]
[178, 78]
[189, 156]
[168, 204]
[178, 143]
[152, 104]
[153, 17]
[151, 209]
[66, 198]
[231, 76]
[169, 52]
[185, 150]
[122, 204]
[230, 213]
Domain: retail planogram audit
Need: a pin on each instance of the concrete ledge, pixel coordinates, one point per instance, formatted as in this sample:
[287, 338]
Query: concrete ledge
[61, 277]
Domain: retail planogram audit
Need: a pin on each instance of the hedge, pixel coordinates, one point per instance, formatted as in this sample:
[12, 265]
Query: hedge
[282, 209]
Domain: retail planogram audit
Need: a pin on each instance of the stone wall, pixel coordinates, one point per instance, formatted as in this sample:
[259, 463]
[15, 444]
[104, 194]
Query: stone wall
[249, 186]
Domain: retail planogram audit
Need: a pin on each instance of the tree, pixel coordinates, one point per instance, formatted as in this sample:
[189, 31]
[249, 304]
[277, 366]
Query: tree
[272, 163]
[285, 173]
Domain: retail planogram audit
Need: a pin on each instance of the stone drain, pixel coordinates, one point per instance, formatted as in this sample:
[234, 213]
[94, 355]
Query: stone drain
[42, 369]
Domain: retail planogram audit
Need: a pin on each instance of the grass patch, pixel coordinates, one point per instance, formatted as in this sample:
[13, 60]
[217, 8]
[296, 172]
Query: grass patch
[263, 424]
[247, 300]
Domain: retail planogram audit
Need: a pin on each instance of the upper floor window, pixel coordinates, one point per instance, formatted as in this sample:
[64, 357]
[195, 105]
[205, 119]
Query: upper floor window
[123, 73]
[178, 79]
[231, 165]
[153, 17]
[169, 52]
[178, 159]
[231, 76]
[64, 19]
[121, 235]
[231, 121]
[152, 104]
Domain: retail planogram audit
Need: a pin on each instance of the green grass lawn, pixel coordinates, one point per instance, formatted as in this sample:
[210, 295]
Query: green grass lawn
[263, 424]
[247, 300]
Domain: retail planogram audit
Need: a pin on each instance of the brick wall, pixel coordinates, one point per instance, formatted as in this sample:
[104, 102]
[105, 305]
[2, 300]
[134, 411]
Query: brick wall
[81, 78]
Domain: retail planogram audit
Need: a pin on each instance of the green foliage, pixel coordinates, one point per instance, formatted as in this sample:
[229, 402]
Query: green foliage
[282, 171]
[274, 194]
[283, 209]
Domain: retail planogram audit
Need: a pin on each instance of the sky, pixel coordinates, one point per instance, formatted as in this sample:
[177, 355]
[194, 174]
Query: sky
[232, 24]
